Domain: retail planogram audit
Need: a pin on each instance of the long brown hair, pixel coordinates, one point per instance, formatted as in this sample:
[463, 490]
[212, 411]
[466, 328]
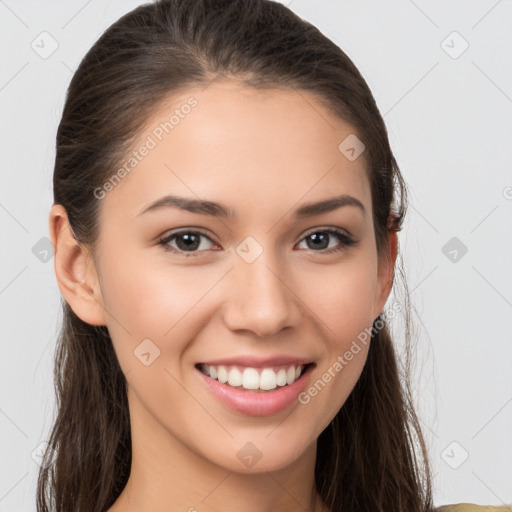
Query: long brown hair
[372, 456]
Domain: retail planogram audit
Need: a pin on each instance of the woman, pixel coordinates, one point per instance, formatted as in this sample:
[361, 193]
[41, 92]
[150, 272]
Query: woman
[225, 219]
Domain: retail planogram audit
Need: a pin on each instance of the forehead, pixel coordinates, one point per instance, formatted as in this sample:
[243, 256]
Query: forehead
[237, 144]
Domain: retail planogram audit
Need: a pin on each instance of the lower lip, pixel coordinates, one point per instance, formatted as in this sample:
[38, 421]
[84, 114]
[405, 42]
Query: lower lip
[254, 403]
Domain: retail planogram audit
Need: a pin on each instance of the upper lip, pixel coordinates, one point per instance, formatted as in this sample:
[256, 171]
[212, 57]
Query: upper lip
[259, 362]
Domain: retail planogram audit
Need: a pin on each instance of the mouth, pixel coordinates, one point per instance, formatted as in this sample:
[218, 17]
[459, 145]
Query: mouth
[256, 380]
[244, 388]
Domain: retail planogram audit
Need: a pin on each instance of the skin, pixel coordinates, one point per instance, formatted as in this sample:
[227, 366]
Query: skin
[263, 154]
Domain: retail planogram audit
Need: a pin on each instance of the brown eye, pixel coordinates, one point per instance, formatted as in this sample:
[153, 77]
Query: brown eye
[186, 242]
[320, 240]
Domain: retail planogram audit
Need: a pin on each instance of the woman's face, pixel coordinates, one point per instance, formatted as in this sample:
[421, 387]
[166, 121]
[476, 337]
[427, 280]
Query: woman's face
[264, 288]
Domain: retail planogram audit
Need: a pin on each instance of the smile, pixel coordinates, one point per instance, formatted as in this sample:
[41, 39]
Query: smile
[270, 389]
[264, 379]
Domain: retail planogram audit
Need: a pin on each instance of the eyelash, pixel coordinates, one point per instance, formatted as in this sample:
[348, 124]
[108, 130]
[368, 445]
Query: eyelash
[346, 241]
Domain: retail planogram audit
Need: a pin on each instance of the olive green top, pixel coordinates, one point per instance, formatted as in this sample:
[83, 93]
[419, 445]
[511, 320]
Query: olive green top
[469, 507]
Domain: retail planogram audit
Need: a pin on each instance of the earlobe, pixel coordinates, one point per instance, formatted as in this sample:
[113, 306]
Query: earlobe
[386, 273]
[75, 271]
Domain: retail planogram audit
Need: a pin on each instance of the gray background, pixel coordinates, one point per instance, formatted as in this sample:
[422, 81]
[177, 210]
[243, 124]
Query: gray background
[449, 116]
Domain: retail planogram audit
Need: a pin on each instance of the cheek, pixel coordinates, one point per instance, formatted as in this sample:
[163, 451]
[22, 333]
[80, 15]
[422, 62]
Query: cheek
[342, 297]
[148, 294]
[151, 301]
[343, 303]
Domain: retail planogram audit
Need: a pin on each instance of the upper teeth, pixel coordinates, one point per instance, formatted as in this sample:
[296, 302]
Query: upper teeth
[253, 378]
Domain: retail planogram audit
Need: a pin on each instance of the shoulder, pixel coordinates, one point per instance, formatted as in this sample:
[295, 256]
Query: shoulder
[469, 507]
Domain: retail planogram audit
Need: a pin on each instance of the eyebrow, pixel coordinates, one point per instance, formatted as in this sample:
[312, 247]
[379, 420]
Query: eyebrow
[214, 209]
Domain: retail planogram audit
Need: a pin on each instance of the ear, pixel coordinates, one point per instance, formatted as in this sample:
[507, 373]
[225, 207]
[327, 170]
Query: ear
[75, 270]
[385, 274]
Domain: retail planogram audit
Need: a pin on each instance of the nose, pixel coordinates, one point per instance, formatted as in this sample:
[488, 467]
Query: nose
[261, 299]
